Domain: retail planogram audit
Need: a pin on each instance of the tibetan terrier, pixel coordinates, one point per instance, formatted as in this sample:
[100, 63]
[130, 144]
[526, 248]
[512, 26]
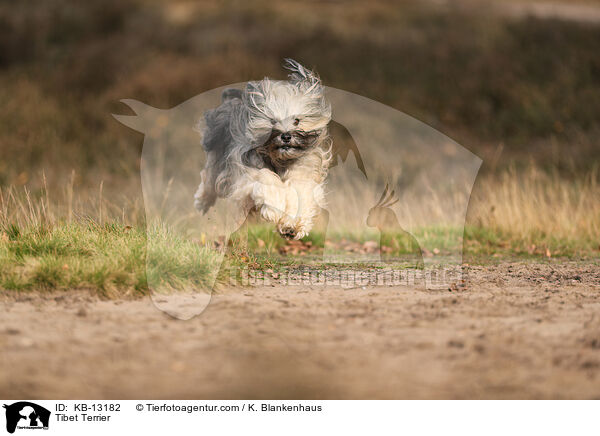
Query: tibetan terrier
[268, 148]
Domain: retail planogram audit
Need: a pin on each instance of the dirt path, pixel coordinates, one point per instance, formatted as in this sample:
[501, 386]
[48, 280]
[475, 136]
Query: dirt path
[515, 331]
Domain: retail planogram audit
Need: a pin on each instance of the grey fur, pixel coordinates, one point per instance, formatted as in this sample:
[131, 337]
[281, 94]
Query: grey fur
[247, 132]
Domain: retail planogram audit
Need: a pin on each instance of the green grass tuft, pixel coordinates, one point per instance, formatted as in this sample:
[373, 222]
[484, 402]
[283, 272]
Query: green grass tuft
[117, 260]
[110, 259]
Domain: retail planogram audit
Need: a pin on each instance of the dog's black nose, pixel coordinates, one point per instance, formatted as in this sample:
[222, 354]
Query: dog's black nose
[286, 137]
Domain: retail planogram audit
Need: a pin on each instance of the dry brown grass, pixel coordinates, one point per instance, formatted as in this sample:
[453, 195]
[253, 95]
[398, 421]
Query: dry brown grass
[513, 211]
[530, 202]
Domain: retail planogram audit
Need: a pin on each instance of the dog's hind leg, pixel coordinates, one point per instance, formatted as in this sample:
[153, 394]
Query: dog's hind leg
[206, 195]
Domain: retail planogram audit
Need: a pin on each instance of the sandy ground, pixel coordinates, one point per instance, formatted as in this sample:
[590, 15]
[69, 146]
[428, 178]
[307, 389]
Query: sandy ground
[514, 331]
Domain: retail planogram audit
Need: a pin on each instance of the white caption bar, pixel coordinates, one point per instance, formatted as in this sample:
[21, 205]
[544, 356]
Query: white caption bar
[150, 417]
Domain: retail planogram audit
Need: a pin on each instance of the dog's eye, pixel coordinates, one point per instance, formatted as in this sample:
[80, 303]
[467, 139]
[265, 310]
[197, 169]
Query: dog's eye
[296, 121]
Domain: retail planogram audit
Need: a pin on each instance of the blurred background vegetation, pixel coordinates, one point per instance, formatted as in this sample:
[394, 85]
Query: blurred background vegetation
[507, 83]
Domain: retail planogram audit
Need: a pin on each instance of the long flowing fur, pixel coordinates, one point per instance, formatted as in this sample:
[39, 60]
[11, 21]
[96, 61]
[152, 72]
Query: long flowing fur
[268, 147]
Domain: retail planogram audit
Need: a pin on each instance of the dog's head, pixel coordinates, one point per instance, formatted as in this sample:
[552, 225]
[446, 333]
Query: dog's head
[287, 119]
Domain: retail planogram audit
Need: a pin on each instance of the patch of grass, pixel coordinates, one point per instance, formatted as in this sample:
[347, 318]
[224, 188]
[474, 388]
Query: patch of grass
[477, 243]
[175, 263]
[261, 237]
[482, 242]
[110, 259]
[117, 260]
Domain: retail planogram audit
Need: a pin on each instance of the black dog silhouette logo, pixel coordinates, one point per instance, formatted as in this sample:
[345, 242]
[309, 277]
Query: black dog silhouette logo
[26, 415]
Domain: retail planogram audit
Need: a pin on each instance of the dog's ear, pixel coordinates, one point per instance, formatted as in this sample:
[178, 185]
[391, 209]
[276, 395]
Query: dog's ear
[306, 79]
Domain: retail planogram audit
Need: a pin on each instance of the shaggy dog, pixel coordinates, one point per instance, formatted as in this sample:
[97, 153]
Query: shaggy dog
[268, 148]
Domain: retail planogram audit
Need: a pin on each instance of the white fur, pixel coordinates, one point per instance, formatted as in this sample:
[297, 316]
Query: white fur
[248, 162]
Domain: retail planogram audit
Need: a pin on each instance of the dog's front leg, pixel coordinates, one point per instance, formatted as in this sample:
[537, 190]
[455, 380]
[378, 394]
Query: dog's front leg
[269, 195]
[270, 200]
[304, 201]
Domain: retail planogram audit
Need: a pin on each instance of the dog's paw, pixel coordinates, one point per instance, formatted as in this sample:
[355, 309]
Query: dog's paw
[288, 232]
[292, 229]
[204, 200]
[203, 204]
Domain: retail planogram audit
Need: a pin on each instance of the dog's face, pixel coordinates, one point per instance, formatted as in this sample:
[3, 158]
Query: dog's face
[287, 119]
[296, 126]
